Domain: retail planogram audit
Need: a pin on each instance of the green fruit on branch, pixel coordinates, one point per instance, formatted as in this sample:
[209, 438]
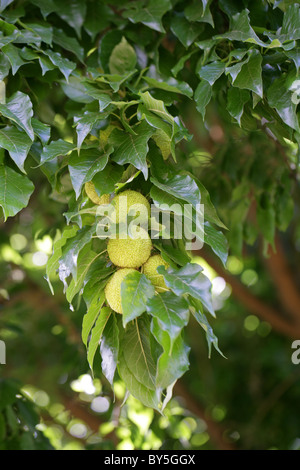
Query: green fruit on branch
[130, 252]
[123, 205]
[150, 270]
[92, 194]
[113, 289]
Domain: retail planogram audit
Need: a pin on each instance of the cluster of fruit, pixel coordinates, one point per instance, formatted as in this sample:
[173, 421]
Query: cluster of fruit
[128, 254]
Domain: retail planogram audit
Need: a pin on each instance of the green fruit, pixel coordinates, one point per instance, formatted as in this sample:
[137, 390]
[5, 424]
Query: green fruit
[91, 192]
[113, 289]
[123, 206]
[130, 252]
[150, 270]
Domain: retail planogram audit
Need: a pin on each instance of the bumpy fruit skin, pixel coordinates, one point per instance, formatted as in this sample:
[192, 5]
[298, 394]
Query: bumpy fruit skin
[149, 269]
[91, 192]
[113, 289]
[133, 197]
[129, 252]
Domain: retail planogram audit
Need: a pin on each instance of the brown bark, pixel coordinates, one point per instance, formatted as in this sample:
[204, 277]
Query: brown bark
[284, 280]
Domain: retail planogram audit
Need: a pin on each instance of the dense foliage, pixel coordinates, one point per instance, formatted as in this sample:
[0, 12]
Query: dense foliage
[184, 102]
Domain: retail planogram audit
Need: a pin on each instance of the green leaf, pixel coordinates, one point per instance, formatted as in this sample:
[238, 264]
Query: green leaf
[8, 33]
[122, 59]
[290, 29]
[71, 250]
[19, 110]
[4, 66]
[211, 338]
[211, 72]
[236, 99]
[280, 97]
[96, 334]
[88, 262]
[12, 420]
[184, 30]
[4, 4]
[172, 85]
[202, 97]
[136, 363]
[98, 94]
[250, 75]
[172, 364]
[189, 280]
[53, 262]
[46, 6]
[64, 65]
[132, 149]
[85, 166]
[75, 89]
[55, 149]
[180, 186]
[136, 289]
[115, 80]
[266, 217]
[85, 124]
[44, 30]
[201, 13]
[98, 18]
[150, 15]
[13, 54]
[105, 181]
[294, 55]
[69, 43]
[94, 307]
[17, 143]
[217, 241]
[171, 313]
[155, 113]
[109, 348]
[41, 130]
[210, 212]
[72, 12]
[15, 191]
[241, 30]
[8, 391]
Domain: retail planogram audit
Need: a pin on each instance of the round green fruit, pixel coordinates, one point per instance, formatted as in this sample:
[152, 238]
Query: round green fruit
[92, 194]
[150, 270]
[130, 252]
[123, 205]
[113, 289]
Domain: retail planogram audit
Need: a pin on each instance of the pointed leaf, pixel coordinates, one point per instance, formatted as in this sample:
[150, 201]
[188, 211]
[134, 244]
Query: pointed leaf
[15, 191]
[19, 109]
[136, 289]
[96, 334]
[189, 280]
[132, 148]
[171, 313]
[17, 143]
[109, 348]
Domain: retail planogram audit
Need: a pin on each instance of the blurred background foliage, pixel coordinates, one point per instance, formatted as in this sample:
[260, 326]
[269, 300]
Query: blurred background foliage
[250, 400]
